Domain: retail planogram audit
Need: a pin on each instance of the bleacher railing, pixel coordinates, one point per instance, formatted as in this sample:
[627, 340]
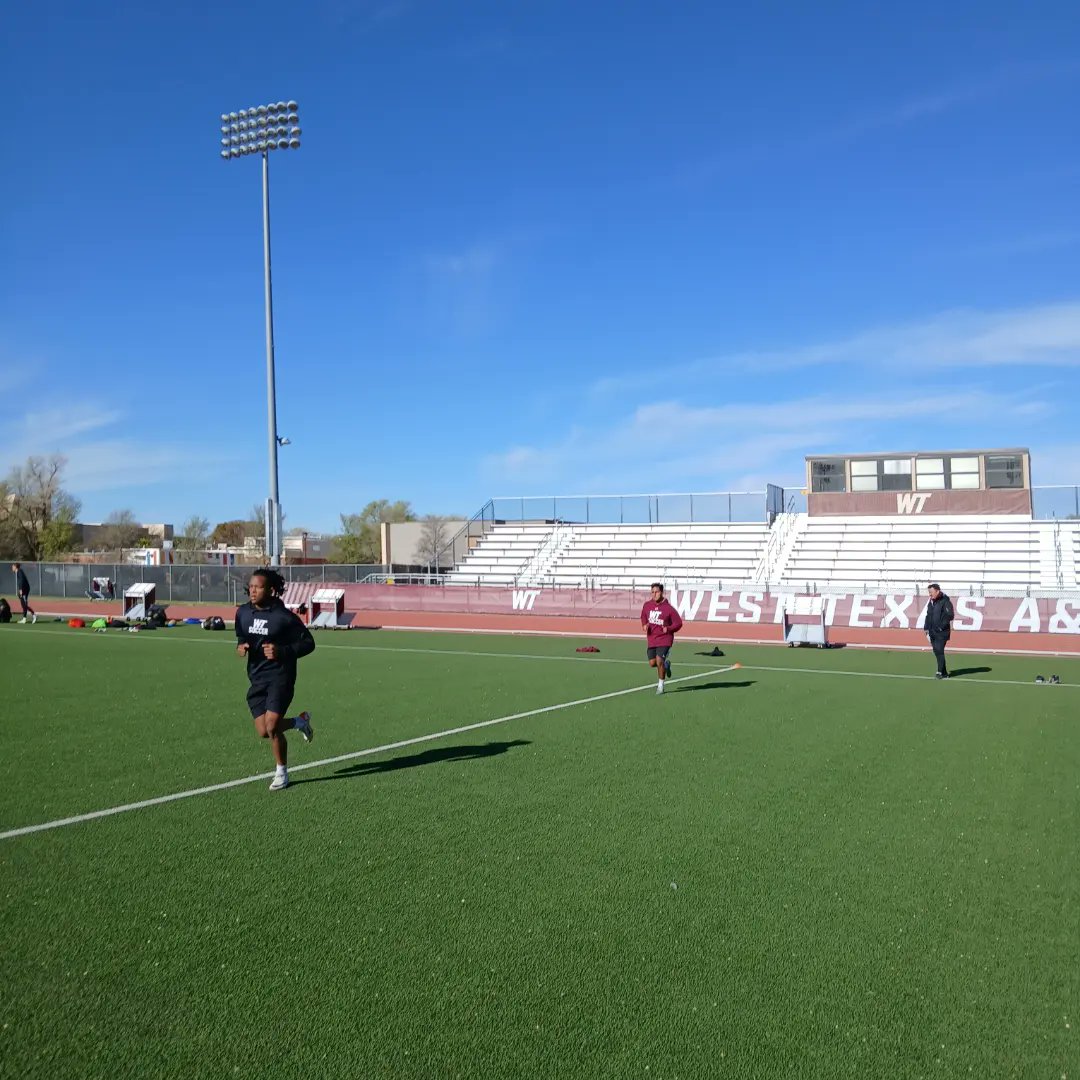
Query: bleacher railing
[465, 539]
[703, 507]
[1055, 501]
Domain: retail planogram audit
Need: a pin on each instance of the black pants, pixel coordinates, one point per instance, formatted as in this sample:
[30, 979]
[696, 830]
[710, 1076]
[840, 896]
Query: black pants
[937, 643]
[24, 599]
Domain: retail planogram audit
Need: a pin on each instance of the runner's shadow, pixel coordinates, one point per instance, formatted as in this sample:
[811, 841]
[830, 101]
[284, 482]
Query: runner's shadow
[969, 671]
[715, 686]
[412, 761]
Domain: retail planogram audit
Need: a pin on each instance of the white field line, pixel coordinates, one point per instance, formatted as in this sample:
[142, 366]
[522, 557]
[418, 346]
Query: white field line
[966, 680]
[215, 639]
[78, 819]
[691, 637]
[592, 659]
[859, 646]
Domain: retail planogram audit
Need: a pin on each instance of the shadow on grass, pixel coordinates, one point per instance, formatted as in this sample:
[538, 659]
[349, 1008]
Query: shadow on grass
[957, 672]
[715, 686]
[413, 761]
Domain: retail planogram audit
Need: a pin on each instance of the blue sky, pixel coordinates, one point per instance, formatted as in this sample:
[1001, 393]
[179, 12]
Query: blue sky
[535, 248]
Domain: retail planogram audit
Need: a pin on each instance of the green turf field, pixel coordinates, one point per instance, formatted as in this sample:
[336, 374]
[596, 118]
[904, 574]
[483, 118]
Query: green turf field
[809, 867]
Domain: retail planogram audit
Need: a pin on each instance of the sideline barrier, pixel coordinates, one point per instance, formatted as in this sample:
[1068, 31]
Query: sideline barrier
[885, 611]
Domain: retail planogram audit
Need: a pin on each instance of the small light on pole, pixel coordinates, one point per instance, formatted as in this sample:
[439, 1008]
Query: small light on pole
[259, 130]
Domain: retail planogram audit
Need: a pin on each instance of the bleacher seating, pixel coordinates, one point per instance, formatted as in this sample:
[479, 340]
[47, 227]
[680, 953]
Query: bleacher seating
[501, 555]
[1007, 552]
[614, 555]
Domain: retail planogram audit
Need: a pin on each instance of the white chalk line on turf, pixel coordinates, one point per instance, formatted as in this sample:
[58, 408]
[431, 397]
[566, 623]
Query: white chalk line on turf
[964, 679]
[591, 659]
[159, 800]
[582, 659]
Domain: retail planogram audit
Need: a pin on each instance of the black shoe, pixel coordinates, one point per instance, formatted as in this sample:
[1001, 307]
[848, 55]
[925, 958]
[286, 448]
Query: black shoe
[941, 675]
[1039, 679]
[1056, 680]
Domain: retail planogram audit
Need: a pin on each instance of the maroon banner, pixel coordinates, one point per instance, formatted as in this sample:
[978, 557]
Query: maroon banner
[919, 503]
[900, 611]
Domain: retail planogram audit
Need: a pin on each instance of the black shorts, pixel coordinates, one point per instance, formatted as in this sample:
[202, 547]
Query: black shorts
[270, 695]
[654, 651]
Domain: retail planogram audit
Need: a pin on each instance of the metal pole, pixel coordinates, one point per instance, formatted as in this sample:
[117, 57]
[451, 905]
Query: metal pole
[273, 511]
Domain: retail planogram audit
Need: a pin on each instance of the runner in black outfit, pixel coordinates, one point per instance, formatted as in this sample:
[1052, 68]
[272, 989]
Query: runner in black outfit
[273, 639]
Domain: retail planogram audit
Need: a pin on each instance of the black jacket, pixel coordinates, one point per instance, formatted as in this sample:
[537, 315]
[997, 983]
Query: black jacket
[939, 616]
[276, 625]
[22, 582]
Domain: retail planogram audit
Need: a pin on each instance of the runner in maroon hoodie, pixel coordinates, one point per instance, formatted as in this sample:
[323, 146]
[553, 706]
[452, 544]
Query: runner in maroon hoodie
[661, 622]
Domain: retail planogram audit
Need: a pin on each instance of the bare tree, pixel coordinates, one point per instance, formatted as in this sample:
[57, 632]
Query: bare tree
[257, 518]
[120, 530]
[194, 538]
[39, 513]
[434, 534]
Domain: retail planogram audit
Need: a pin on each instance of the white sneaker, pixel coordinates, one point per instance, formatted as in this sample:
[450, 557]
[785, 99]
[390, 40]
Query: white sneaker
[660, 687]
[280, 782]
[34, 617]
[23, 619]
[303, 725]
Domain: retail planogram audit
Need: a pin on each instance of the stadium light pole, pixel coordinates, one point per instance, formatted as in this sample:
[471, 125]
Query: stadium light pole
[260, 130]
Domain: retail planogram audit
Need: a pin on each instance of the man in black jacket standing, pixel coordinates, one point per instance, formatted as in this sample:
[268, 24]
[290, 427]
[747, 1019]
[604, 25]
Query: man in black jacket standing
[938, 626]
[22, 590]
[273, 639]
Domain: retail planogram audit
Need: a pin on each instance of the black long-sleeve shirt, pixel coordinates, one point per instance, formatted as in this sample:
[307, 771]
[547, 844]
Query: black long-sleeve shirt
[22, 583]
[276, 625]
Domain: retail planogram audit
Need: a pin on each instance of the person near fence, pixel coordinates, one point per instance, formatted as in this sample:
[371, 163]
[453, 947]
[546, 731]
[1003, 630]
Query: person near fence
[101, 589]
[273, 639]
[661, 622]
[938, 626]
[22, 589]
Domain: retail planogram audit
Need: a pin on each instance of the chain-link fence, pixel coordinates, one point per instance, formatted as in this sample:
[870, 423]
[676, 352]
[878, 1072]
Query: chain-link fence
[192, 583]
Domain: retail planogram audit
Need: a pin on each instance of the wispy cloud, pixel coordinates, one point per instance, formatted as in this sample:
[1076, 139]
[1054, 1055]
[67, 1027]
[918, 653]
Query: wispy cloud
[891, 116]
[99, 459]
[710, 445]
[480, 47]
[63, 424]
[362, 14]
[1046, 335]
[1033, 243]
[115, 464]
[463, 286]
[477, 260]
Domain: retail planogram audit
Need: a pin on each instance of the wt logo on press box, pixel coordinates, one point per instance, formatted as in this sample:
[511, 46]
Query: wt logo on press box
[908, 502]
